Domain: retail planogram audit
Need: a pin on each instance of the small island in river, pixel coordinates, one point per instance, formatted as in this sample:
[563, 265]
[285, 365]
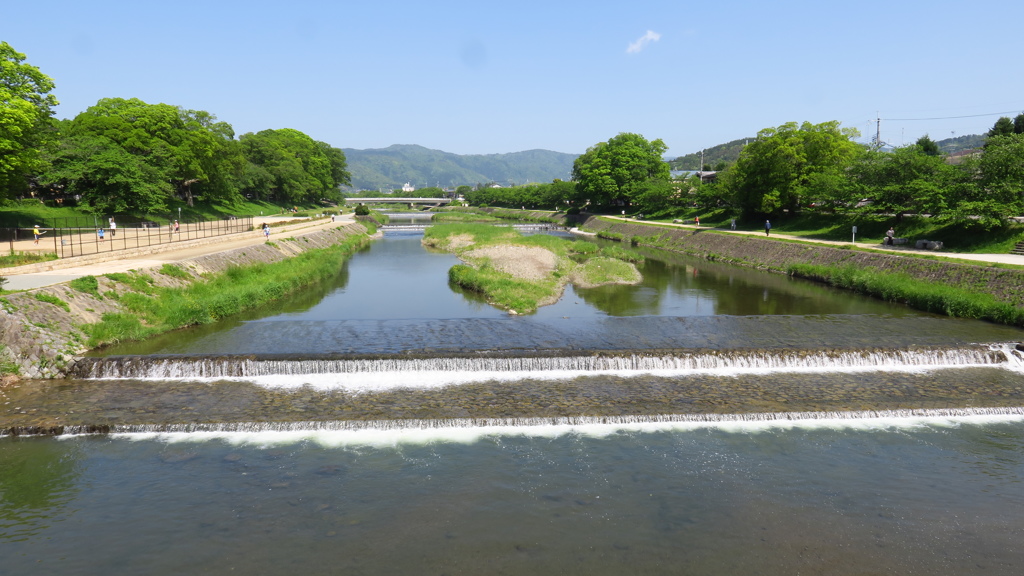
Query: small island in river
[521, 273]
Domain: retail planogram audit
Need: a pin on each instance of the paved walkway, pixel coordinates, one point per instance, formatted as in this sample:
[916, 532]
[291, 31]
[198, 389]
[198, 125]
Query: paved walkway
[124, 260]
[994, 258]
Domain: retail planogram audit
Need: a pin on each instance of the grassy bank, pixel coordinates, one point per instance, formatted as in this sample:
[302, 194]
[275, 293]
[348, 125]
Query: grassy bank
[521, 273]
[151, 309]
[938, 298]
[962, 238]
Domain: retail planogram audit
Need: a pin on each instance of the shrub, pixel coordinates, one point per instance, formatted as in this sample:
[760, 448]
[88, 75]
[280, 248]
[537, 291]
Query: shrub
[175, 272]
[87, 284]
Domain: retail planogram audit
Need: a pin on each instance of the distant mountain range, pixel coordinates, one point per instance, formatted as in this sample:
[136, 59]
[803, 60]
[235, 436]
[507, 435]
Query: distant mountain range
[392, 167]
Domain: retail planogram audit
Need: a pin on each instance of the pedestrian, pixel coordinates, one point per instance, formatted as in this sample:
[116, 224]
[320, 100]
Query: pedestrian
[36, 233]
[176, 227]
[733, 224]
[890, 234]
[696, 220]
[266, 231]
[767, 228]
[99, 233]
[113, 228]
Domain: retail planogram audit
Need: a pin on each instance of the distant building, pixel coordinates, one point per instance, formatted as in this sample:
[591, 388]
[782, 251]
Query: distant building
[959, 156]
[408, 187]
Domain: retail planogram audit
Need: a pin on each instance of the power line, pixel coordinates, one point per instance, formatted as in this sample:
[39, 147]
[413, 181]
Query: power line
[950, 117]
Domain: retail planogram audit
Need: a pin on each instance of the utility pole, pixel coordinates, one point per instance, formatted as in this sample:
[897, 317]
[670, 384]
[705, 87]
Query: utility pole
[878, 130]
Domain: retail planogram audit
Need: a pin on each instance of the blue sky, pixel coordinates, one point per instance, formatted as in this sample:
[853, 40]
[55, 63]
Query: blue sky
[484, 78]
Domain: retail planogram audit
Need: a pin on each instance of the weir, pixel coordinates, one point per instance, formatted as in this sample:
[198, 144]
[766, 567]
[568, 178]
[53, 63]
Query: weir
[620, 422]
[495, 363]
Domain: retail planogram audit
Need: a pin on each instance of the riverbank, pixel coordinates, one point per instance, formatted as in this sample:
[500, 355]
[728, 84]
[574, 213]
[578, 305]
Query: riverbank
[43, 330]
[995, 294]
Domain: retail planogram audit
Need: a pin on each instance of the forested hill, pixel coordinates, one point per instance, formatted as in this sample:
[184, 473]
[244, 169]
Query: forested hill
[730, 151]
[395, 165]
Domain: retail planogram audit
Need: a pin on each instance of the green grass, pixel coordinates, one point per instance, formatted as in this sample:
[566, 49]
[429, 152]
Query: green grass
[602, 270]
[462, 217]
[504, 290]
[519, 295]
[156, 310]
[23, 258]
[7, 366]
[51, 299]
[954, 301]
[88, 285]
[138, 282]
[27, 213]
[175, 271]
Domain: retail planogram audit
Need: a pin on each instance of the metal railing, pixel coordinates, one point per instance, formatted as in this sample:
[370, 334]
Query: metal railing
[70, 237]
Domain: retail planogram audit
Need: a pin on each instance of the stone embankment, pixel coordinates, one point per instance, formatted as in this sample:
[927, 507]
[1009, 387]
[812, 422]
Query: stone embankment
[40, 330]
[1005, 284]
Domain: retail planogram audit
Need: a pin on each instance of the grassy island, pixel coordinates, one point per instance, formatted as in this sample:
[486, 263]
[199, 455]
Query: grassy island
[521, 273]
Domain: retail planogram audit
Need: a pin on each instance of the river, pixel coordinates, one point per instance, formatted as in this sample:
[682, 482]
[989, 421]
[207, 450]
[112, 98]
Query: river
[712, 420]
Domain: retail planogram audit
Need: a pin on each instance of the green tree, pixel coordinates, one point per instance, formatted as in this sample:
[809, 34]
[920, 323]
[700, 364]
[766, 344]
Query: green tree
[288, 165]
[1018, 124]
[993, 187]
[783, 168]
[1002, 127]
[612, 172]
[907, 180]
[26, 108]
[928, 146]
[163, 151]
[107, 177]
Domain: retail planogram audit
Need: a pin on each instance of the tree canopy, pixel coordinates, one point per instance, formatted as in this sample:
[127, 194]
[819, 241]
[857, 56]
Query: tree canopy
[125, 155]
[785, 166]
[613, 172]
[26, 108]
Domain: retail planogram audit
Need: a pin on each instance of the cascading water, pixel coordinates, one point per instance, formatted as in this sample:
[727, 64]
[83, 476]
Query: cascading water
[455, 369]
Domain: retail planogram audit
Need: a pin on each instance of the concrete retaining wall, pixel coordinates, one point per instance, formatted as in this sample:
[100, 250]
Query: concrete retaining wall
[1007, 285]
[42, 338]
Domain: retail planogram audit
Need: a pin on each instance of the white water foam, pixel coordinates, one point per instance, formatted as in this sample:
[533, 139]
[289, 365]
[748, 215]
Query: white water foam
[397, 433]
[361, 376]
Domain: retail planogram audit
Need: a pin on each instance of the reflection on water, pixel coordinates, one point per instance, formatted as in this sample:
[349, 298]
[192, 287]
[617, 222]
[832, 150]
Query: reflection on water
[327, 472]
[394, 295]
[897, 496]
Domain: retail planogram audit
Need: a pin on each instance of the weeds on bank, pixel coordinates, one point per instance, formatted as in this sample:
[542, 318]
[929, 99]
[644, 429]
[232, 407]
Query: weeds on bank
[87, 285]
[175, 271]
[238, 289]
[51, 299]
[945, 299]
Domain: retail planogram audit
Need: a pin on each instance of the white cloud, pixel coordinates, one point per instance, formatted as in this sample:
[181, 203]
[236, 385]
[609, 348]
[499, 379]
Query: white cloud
[643, 41]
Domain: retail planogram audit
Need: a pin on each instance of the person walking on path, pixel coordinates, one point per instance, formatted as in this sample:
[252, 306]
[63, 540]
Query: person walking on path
[113, 227]
[767, 228]
[266, 231]
[696, 220]
[36, 233]
[99, 233]
[733, 224]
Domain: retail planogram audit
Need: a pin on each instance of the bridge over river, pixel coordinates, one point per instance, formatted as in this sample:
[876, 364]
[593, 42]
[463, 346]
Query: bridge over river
[394, 200]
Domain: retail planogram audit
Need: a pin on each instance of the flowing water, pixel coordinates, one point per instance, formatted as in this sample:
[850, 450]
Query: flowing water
[711, 420]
